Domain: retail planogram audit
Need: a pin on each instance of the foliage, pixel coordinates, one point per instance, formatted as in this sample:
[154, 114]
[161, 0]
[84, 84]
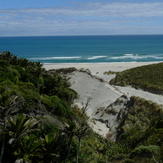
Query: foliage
[149, 77]
[141, 113]
[20, 126]
[38, 122]
[29, 149]
[128, 161]
[110, 72]
[145, 151]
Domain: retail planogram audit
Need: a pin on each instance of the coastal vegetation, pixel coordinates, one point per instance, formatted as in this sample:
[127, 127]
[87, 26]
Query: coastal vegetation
[40, 124]
[37, 121]
[149, 78]
[110, 72]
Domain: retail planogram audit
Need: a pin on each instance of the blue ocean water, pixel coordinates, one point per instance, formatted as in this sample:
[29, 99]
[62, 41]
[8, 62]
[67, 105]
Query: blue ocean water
[86, 49]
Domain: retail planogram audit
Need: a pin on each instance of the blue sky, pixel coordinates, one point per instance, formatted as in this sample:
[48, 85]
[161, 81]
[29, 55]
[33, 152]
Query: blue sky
[80, 17]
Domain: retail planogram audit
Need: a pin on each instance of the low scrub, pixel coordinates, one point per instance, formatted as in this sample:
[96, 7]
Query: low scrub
[149, 78]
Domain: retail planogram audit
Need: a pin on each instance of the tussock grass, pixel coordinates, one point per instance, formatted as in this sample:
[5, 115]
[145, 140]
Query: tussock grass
[141, 113]
[110, 72]
[149, 78]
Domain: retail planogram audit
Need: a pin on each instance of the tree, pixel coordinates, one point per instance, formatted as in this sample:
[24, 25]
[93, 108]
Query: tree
[29, 149]
[145, 152]
[20, 126]
[82, 131]
[69, 129]
[50, 148]
[38, 71]
[8, 106]
[6, 55]
[22, 143]
[78, 129]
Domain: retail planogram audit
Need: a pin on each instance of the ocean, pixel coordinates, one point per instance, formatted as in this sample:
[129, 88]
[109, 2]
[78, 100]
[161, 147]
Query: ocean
[86, 49]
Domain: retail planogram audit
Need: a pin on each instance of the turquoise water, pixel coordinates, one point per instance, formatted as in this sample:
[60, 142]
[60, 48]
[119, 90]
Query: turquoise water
[86, 49]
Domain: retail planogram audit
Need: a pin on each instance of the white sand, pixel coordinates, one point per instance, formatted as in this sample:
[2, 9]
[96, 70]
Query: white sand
[102, 93]
[99, 68]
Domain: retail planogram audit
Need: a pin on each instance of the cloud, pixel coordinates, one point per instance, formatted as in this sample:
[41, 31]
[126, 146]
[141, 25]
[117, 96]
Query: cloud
[81, 18]
[96, 10]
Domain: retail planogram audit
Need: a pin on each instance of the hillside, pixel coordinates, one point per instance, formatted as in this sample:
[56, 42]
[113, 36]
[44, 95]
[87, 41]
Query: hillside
[58, 116]
[148, 78]
[37, 120]
[118, 116]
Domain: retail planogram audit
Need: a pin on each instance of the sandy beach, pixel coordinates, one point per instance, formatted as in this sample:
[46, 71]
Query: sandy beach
[102, 95]
[98, 67]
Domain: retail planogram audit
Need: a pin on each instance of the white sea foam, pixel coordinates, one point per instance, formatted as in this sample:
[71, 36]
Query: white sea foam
[51, 58]
[97, 57]
[103, 58]
[157, 57]
[134, 57]
[129, 54]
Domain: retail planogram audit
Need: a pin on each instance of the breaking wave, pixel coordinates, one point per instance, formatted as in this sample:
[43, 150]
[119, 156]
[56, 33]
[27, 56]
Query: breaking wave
[101, 58]
[136, 57]
[97, 57]
[53, 58]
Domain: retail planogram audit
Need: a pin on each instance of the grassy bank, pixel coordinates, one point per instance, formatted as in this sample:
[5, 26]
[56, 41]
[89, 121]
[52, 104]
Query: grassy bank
[149, 78]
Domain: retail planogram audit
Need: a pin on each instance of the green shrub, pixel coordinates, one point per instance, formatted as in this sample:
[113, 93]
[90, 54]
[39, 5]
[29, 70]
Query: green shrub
[145, 151]
[128, 161]
[149, 78]
[110, 72]
[103, 161]
[119, 156]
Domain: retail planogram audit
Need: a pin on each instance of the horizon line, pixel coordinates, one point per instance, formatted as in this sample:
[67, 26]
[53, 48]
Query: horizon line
[83, 35]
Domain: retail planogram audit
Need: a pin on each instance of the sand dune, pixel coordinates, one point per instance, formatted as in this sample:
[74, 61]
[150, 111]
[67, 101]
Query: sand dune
[101, 95]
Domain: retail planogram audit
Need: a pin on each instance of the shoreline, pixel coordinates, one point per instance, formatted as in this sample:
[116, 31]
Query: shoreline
[99, 67]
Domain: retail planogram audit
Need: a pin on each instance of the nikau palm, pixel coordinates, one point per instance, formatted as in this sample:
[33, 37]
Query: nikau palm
[8, 106]
[20, 126]
[71, 129]
[50, 145]
[82, 131]
[29, 148]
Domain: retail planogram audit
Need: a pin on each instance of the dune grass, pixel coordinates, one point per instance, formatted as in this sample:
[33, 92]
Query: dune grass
[149, 78]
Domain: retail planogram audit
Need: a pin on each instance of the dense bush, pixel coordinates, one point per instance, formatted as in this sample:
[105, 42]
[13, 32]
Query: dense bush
[38, 123]
[145, 151]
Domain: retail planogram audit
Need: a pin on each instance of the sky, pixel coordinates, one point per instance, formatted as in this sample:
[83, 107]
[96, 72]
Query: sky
[80, 17]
